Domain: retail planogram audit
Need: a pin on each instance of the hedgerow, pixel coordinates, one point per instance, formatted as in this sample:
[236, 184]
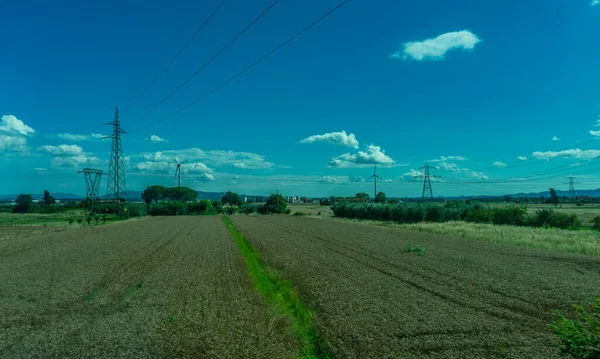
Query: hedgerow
[420, 212]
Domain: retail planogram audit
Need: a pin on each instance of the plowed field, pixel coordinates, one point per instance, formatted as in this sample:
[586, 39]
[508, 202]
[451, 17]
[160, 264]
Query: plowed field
[461, 299]
[156, 287]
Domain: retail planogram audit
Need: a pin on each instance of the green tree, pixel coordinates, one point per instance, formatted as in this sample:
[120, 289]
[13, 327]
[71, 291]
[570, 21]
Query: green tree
[87, 204]
[380, 198]
[554, 197]
[231, 198]
[153, 193]
[362, 195]
[276, 203]
[24, 204]
[48, 199]
[507, 198]
[182, 194]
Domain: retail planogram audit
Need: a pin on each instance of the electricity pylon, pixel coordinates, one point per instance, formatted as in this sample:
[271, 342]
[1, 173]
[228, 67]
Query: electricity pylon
[92, 184]
[571, 186]
[116, 187]
[426, 177]
[374, 177]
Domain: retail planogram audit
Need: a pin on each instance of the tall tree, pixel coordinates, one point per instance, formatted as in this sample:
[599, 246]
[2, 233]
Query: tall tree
[153, 193]
[554, 197]
[24, 204]
[380, 198]
[362, 195]
[231, 198]
[48, 199]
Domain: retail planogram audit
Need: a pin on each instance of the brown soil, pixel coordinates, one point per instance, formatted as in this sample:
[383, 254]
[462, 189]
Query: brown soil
[462, 299]
[156, 287]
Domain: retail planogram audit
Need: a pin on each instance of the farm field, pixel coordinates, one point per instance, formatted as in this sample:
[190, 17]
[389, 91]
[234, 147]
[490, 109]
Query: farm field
[461, 299]
[154, 287]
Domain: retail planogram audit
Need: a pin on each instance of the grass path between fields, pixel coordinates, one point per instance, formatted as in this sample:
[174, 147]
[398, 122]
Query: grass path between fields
[280, 296]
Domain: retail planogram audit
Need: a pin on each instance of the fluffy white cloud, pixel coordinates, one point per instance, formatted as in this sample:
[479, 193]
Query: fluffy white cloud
[594, 2]
[156, 139]
[78, 138]
[74, 161]
[454, 168]
[335, 138]
[170, 167]
[595, 133]
[217, 158]
[12, 124]
[206, 177]
[448, 158]
[522, 158]
[371, 156]
[572, 153]
[412, 173]
[499, 164]
[12, 143]
[555, 138]
[62, 150]
[356, 179]
[436, 48]
[576, 164]
[333, 180]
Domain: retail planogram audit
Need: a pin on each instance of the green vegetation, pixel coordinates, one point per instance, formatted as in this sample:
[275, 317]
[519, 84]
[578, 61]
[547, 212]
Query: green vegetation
[231, 198]
[581, 242]
[157, 193]
[419, 251]
[24, 204]
[380, 198]
[455, 211]
[280, 295]
[275, 204]
[173, 208]
[580, 337]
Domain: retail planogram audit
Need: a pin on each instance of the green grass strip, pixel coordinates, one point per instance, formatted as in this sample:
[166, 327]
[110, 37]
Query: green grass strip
[280, 295]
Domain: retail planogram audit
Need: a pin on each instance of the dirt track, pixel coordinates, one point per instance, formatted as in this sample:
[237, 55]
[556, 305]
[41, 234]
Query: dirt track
[462, 299]
[156, 287]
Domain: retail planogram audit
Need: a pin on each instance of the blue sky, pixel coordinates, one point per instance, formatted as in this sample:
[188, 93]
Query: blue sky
[467, 85]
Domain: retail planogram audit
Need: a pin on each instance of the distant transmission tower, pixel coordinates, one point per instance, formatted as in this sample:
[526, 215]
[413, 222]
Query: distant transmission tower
[374, 177]
[92, 184]
[571, 187]
[426, 177]
[116, 187]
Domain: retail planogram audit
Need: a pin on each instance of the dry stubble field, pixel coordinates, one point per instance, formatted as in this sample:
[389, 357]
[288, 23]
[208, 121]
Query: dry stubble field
[462, 299]
[156, 287]
[178, 287]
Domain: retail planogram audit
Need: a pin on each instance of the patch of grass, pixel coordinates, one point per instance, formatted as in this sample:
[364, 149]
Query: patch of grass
[419, 251]
[300, 214]
[280, 295]
[580, 337]
[173, 318]
[131, 292]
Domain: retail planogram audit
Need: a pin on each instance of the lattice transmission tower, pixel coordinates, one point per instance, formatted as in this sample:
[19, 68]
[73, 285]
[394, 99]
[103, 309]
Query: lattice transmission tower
[571, 187]
[116, 187]
[92, 185]
[426, 177]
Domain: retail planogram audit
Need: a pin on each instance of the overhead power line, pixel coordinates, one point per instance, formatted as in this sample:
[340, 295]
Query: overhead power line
[206, 63]
[178, 54]
[246, 68]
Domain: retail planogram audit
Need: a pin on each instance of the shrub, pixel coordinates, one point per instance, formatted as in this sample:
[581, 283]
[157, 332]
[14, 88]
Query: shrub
[514, 216]
[88, 219]
[79, 220]
[579, 337]
[248, 208]
[596, 223]
[419, 251]
[71, 220]
[97, 218]
[301, 214]
[136, 210]
[434, 214]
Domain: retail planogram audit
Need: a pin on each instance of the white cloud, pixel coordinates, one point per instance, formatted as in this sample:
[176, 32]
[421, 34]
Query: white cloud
[206, 177]
[522, 158]
[12, 143]
[333, 180]
[555, 138]
[78, 138]
[156, 139]
[371, 156]
[572, 153]
[412, 173]
[595, 2]
[356, 179]
[436, 48]
[454, 168]
[12, 124]
[170, 167]
[576, 164]
[595, 133]
[499, 164]
[74, 161]
[387, 180]
[62, 150]
[335, 138]
[217, 158]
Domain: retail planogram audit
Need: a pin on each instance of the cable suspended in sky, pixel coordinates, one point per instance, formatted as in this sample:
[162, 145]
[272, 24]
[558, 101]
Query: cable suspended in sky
[206, 63]
[246, 68]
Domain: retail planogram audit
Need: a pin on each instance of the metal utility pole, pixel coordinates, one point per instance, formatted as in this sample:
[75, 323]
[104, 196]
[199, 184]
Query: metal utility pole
[374, 177]
[92, 184]
[116, 187]
[426, 177]
[571, 186]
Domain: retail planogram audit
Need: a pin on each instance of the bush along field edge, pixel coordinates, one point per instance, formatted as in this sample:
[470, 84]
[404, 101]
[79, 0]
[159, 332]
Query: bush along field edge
[280, 296]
